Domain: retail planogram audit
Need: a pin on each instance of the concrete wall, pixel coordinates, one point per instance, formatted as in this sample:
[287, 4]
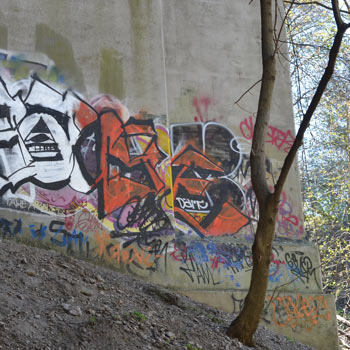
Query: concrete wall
[121, 141]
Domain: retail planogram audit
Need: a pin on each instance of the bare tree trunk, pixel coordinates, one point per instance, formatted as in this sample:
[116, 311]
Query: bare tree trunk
[245, 325]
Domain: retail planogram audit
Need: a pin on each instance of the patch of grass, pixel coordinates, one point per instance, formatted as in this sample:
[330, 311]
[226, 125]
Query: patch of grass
[216, 319]
[291, 339]
[139, 316]
[191, 347]
[92, 321]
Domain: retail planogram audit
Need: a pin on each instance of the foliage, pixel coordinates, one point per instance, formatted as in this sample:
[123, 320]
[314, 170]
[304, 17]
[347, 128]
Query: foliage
[139, 316]
[325, 156]
[92, 321]
[191, 347]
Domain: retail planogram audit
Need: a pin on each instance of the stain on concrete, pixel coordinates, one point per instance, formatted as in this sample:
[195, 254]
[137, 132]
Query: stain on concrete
[111, 73]
[140, 17]
[3, 37]
[60, 50]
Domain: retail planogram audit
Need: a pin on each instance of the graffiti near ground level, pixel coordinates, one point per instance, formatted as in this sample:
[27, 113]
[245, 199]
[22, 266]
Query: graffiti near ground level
[224, 264]
[300, 311]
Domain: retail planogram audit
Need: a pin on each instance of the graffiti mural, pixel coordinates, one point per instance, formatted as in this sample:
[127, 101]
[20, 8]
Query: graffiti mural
[205, 160]
[94, 179]
[127, 155]
[60, 154]
[99, 167]
[36, 136]
[123, 187]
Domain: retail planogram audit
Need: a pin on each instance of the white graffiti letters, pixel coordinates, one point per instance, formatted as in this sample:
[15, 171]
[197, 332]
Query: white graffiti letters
[37, 134]
[193, 205]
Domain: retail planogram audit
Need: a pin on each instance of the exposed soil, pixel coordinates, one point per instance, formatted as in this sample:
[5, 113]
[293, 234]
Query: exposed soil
[53, 301]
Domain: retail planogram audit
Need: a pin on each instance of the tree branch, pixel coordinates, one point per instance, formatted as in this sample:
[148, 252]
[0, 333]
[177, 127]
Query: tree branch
[314, 102]
[315, 3]
[256, 83]
[347, 5]
[343, 320]
[336, 13]
[282, 26]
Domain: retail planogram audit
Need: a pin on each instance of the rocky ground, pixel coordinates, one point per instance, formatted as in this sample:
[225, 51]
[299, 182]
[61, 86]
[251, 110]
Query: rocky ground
[52, 301]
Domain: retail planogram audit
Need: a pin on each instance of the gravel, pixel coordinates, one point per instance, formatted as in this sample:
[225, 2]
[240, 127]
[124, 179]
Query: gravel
[52, 301]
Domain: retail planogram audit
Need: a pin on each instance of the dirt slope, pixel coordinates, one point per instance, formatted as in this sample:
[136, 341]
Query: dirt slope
[51, 301]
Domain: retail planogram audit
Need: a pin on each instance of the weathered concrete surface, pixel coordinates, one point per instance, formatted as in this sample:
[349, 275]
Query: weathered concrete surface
[194, 265]
[310, 318]
[159, 186]
[77, 37]
[198, 266]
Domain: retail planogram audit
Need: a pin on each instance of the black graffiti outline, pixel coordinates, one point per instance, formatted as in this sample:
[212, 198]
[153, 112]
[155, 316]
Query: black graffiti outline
[302, 268]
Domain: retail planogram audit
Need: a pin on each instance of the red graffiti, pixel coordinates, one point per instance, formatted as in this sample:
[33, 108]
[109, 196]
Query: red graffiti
[278, 138]
[69, 222]
[183, 254]
[121, 148]
[66, 198]
[287, 223]
[87, 222]
[277, 262]
[275, 268]
[216, 260]
[201, 105]
[127, 161]
[202, 198]
[85, 115]
[179, 254]
[247, 128]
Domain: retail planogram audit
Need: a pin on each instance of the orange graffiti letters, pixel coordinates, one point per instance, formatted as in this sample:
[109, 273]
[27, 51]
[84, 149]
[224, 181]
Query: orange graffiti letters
[302, 311]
